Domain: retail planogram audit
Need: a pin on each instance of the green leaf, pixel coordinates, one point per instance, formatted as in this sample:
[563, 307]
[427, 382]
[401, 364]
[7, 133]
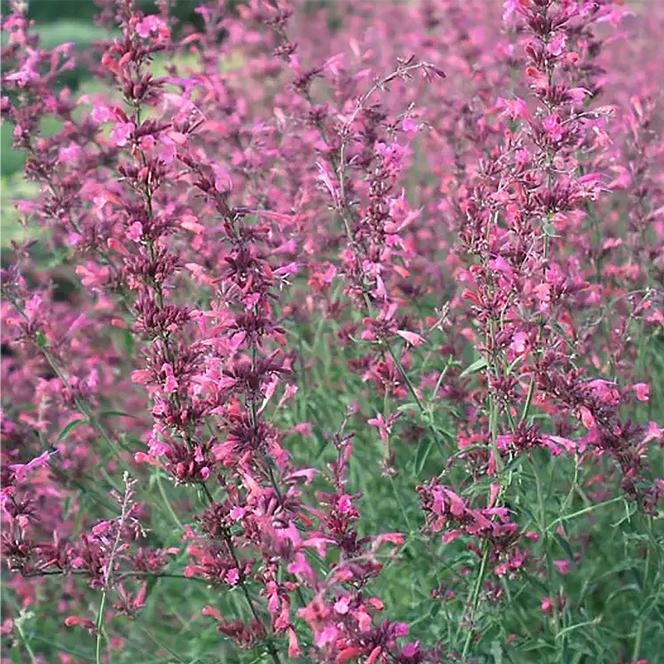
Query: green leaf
[561, 331]
[108, 412]
[511, 367]
[476, 366]
[564, 545]
[42, 342]
[128, 342]
[423, 451]
[497, 652]
[69, 428]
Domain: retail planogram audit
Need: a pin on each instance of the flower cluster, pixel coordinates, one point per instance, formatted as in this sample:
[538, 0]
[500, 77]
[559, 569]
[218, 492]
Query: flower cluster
[335, 331]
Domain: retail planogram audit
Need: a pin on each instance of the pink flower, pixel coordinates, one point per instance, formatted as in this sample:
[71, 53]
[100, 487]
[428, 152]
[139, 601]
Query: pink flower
[384, 426]
[294, 650]
[344, 504]
[514, 109]
[519, 342]
[80, 621]
[69, 153]
[642, 391]
[21, 470]
[122, 132]
[553, 126]
[409, 126]
[171, 384]
[191, 223]
[556, 44]
[211, 612]
[102, 527]
[586, 417]
[347, 654]
[562, 566]
[92, 275]
[232, 576]
[152, 25]
[374, 655]
[222, 179]
[451, 535]
[327, 635]
[101, 113]
[411, 337]
[341, 606]
[135, 231]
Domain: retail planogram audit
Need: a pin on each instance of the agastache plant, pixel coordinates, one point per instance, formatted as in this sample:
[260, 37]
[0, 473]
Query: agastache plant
[332, 332]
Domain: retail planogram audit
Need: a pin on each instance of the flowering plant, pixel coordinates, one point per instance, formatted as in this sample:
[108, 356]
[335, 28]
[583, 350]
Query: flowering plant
[333, 335]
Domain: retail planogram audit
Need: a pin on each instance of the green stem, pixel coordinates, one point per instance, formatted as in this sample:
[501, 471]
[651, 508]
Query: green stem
[585, 510]
[99, 626]
[529, 399]
[167, 502]
[25, 642]
[475, 597]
